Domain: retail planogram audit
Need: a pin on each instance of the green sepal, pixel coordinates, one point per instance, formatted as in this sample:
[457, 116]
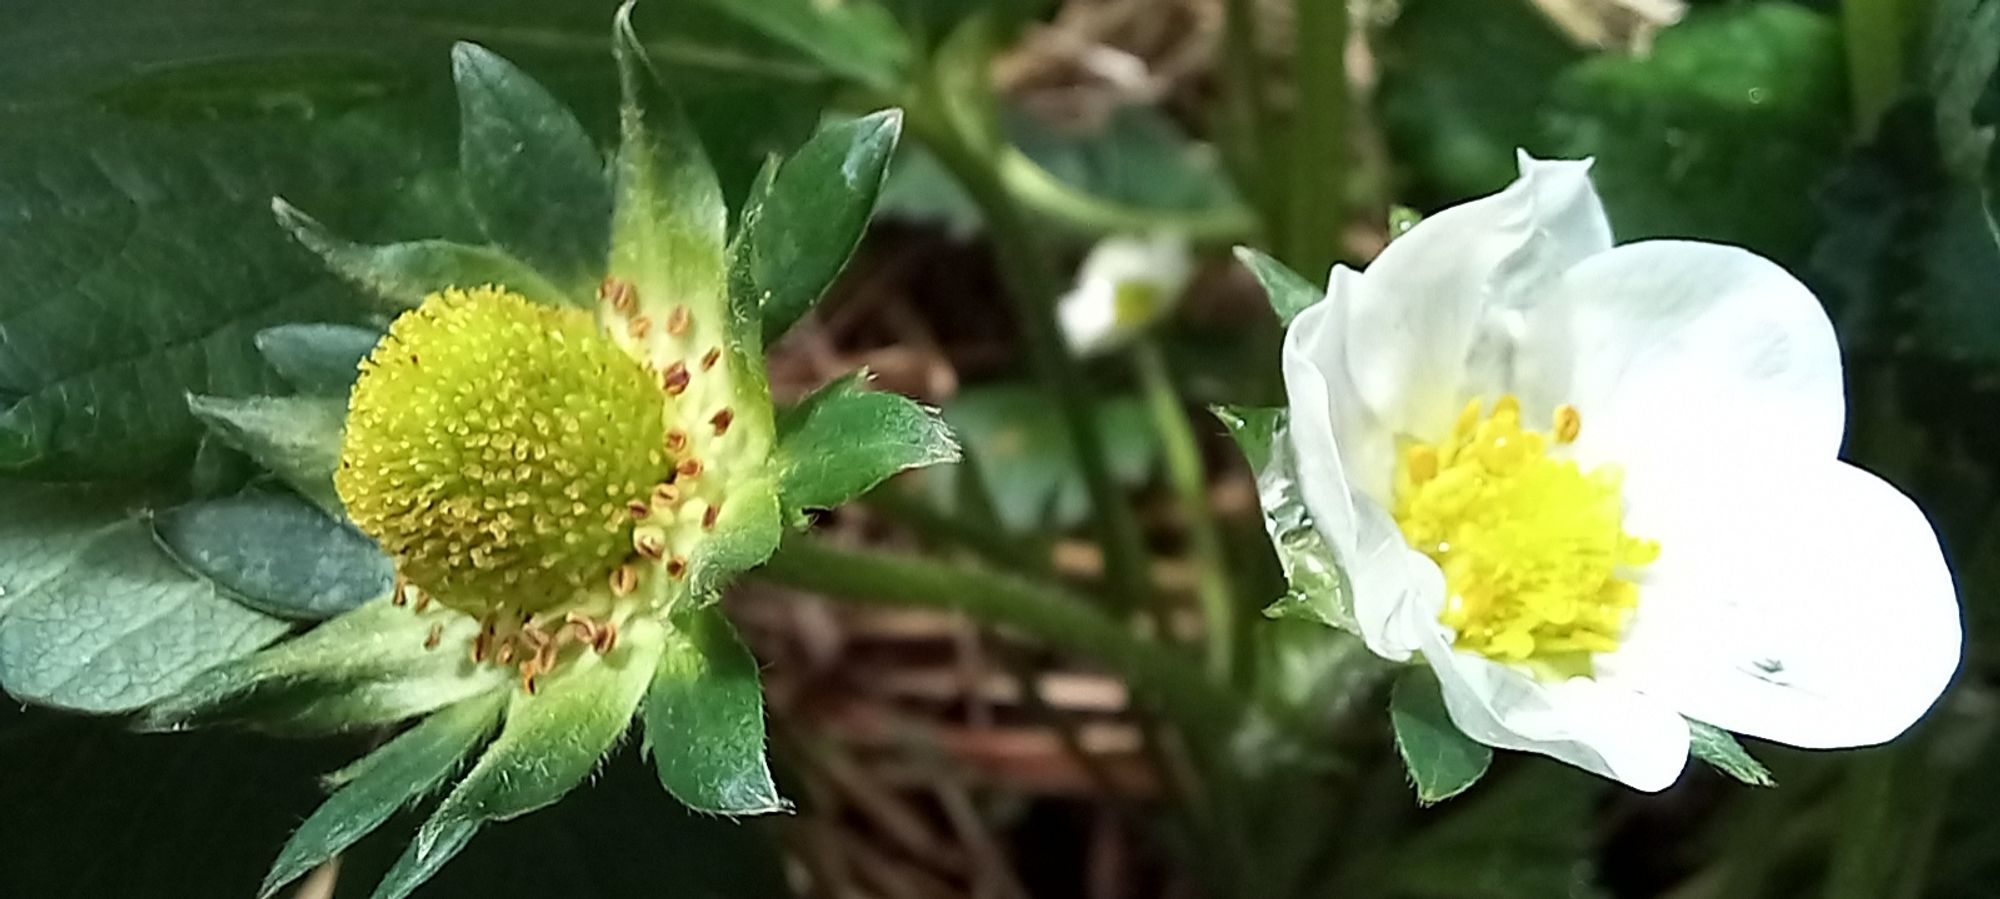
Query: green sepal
[551, 741]
[402, 274]
[276, 553]
[1441, 760]
[534, 178]
[317, 359]
[1316, 590]
[401, 772]
[810, 217]
[745, 534]
[704, 719]
[1720, 750]
[860, 42]
[366, 668]
[843, 440]
[120, 625]
[1288, 292]
[295, 438]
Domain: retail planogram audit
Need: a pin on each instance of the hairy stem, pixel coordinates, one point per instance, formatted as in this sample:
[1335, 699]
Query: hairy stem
[1190, 481]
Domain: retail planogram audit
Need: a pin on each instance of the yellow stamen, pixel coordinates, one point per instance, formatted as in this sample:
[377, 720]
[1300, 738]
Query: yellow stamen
[1536, 559]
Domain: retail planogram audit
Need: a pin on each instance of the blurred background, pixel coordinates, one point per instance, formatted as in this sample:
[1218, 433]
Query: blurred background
[1852, 142]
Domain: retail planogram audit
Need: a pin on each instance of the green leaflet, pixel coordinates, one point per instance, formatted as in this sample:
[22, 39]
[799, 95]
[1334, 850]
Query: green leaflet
[1754, 96]
[368, 667]
[843, 440]
[402, 274]
[401, 772]
[857, 41]
[534, 178]
[1442, 761]
[317, 359]
[1022, 458]
[1316, 590]
[295, 438]
[112, 294]
[277, 554]
[1720, 750]
[551, 741]
[705, 720]
[801, 229]
[122, 626]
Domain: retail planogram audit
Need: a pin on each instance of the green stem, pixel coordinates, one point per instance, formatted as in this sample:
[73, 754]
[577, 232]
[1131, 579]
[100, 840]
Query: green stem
[934, 527]
[1177, 689]
[1190, 482]
[1035, 188]
[1249, 108]
[1318, 160]
[1033, 286]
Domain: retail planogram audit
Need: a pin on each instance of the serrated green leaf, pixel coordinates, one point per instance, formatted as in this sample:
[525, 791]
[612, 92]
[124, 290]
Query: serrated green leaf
[1531, 835]
[46, 526]
[399, 773]
[120, 627]
[277, 554]
[1442, 761]
[1720, 750]
[318, 359]
[857, 41]
[1316, 590]
[1755, 99]
[814, 213]
[843, 440]
[372, 666]
[295, 438]
[535, 179]
[1288, 293]
[1023, 460]
[552, 740]
[402, 274]
[1456, 125]
[705, 720]
[139, 271]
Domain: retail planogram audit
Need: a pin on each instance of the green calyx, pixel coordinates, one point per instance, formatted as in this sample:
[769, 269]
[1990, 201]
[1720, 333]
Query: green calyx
[495, 449]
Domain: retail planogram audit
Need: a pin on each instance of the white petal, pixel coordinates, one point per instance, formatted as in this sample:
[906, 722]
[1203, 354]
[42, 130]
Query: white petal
[1808, 604]
[1441, 293]
[1677, 351]
[1088, 316]
[1600, 727]
[1338, 448]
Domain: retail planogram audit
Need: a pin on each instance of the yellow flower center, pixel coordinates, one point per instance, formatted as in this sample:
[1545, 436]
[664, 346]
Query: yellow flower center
[1536, 558]
[494, 449]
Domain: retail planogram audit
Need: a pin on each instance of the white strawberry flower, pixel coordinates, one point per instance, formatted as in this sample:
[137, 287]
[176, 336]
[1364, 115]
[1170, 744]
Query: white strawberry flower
[1124, 286]
[1597, 490]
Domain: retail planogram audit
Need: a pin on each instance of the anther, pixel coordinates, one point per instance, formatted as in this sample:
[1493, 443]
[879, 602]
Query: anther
[711, 357]
[677, 567]
[435, 637]
[650, 543]
[606, 639]
[639, 509]
[1569, 423]
[624, 580]
[721, 421]
[688, 468]
[639, 327]
[677, 440]
[678, 321]
[620, 293]
[709, 515]
[1423, 463]
[675, 379]
[665, 494]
